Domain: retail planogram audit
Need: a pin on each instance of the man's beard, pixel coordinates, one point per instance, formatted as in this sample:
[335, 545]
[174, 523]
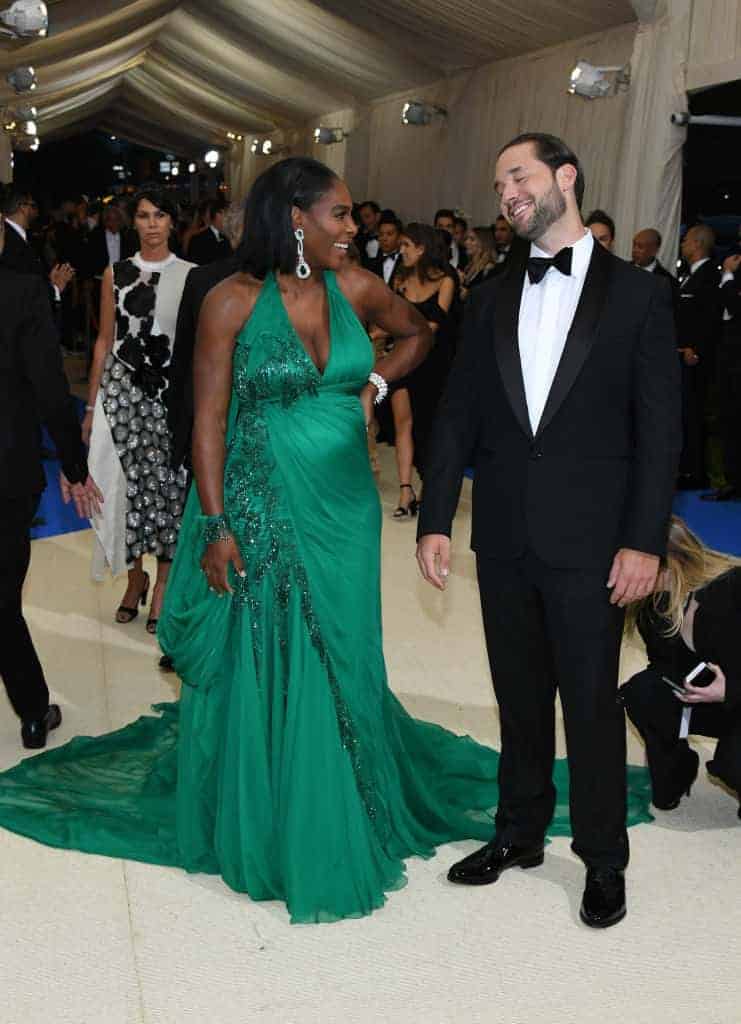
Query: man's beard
[547, 211]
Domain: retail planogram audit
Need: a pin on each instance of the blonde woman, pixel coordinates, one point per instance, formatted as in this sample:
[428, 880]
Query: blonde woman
[482, 260]
[693, 616]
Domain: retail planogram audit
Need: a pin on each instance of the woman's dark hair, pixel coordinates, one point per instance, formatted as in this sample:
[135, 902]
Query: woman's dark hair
[600, 217]
[554, 152]
[157, 197]
[435, 255]
[269, 243]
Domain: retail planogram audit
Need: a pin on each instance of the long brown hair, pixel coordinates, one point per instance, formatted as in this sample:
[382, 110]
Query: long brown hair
[687, 566]
[433, 263]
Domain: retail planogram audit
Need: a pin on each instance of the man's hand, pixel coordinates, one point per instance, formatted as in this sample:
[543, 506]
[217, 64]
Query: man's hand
[433, 558]
[87, 497]
[690, 357]
[714, 693]
[732, 263]
[61, 276]
[632, 577]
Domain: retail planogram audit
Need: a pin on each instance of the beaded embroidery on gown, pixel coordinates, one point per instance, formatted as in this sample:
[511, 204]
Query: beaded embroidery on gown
[130, 442]
[287, 766]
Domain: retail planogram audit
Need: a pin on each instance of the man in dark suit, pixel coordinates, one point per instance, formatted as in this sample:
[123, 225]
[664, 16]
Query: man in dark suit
[645, 254]
[33, 390]
[729, 381]
[108, 243]
[211, 245]
[698, 330]
[20, 211]
[387, 260]
[566, 396]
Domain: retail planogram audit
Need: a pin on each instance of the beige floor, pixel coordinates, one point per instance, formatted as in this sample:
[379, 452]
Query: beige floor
[87, 940]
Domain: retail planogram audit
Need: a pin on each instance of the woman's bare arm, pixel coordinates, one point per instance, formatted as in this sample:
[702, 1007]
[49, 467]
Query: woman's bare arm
[103, 345]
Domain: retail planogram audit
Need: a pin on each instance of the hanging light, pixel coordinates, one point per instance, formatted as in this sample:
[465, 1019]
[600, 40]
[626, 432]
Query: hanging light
[590, 81]
[24, 19]
[22, 79]
[29, 128]
[418, 113]
[326, 136]
[192, 168]
[212, 158]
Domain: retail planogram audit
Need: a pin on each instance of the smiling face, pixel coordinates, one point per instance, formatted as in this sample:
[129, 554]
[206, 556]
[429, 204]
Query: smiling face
[328, 228]
[472, 244]
[411, 254]
[532, 195]
[153, 226]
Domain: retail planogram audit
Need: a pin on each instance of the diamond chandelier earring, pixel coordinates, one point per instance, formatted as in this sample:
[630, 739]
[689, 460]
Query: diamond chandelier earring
[303, 270]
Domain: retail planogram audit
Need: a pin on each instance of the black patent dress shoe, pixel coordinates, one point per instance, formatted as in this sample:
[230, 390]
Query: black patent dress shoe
[35, 730]
[725, 493]
[486, 865]
[603, 903]
[670, 801]
[165, 663]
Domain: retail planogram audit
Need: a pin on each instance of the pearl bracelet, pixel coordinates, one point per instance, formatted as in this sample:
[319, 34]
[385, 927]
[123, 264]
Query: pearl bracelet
[380, 385]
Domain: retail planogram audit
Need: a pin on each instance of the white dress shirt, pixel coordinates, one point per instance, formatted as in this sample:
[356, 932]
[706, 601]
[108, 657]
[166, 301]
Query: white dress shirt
[650, 267]
[113, 244]
[389, 263]
[546, 312]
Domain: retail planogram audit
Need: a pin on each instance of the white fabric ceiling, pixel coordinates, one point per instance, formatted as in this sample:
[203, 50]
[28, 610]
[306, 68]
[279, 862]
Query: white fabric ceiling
[180, 73]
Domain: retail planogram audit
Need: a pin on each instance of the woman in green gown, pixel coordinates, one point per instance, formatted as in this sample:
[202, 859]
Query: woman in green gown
[287, 766]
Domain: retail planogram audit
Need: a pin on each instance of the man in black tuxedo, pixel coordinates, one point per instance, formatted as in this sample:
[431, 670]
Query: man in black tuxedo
[33, 390]
[698, 330]
[565, 395]
[387, 260]
[729, 381]
[645, 254]
[110, 242]
[503, 239]
[211, 245]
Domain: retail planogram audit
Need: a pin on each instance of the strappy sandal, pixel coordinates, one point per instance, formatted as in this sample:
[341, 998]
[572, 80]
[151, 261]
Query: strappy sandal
[131, 613]
[400, 512]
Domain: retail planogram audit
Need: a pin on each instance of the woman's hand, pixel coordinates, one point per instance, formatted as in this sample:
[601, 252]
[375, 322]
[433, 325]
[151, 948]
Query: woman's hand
[714, 693]
[87, 428]
[367, 399]
[219, 555]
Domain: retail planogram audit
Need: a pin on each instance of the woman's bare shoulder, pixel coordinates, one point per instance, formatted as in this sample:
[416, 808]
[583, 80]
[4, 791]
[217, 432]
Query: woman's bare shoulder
[233, 299]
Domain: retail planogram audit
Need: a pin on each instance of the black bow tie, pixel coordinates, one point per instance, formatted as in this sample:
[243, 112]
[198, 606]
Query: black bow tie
[390, 256]
[537, 266]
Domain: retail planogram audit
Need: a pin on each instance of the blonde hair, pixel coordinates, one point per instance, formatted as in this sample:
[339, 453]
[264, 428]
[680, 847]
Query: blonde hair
[485, 258]
[687, 566]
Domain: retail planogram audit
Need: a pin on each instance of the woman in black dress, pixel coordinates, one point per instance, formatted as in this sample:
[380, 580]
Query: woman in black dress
[694, 616]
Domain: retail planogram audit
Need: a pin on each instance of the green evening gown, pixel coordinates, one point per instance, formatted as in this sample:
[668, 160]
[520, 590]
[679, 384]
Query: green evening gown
[287, 766]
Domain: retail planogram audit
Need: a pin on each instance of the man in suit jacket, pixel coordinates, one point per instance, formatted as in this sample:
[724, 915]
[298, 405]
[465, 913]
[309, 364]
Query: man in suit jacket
[698, 330]
[33, 390]
[211, 245]
[566, 396]
[387, 260]
[729, 381]
[109, 243]
[20, 211]
[645, 254]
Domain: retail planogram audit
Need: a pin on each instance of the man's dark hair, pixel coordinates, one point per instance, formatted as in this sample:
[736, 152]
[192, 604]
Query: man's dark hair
[600, 217]
[269, 242]
[389, 217]
[157, 197]
[554, 152]
[213, 206]
[444, 213]
[370, 202]
[13, 198]
[462, 222]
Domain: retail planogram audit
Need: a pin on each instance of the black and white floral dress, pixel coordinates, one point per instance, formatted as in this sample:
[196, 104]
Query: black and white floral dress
[130, 442]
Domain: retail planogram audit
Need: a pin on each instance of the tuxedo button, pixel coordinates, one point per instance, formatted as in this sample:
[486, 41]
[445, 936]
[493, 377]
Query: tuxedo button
[536, 453]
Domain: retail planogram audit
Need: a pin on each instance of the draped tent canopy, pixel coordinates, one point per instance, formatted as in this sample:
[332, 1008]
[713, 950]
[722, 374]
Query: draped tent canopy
[180, 74]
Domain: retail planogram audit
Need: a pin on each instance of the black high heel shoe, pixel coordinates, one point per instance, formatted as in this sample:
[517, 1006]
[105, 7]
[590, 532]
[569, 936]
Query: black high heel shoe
[672, 803]
[131, 613]
[400, 512]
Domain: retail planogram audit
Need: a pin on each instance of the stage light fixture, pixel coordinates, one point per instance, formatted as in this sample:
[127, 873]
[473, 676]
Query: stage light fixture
[192, 168]
[25, 19]
[327, 136]
[234, 136]
[415, 112]
[590, 81]
[175, 170]
[212, 158]
[22, 79]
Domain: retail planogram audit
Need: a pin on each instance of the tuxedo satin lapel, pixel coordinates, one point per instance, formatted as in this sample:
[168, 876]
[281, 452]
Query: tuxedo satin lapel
[506, 345]
[582, 334]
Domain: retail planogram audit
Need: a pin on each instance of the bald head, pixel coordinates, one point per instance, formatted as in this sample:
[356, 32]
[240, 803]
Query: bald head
[698, 243]
[646, 245]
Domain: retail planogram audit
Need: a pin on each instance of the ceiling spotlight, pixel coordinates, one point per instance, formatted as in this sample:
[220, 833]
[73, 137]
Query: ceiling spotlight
[590, 81]
[212, 158]
[22, 79]
[29, 128]
[25, 18]
[418, 113]
[234, 137]
[35, 144]
[326, 136]
[266, 147]
[192, 168]
[175, 170]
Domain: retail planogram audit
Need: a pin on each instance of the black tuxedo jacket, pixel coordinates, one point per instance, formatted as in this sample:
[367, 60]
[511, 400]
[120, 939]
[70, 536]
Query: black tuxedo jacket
[661, 271]
[33, 390]
[19, 255]
[599, 473]
[700, 309]
[206, 248]
[198, 284]
[376, 265]
[96, 250]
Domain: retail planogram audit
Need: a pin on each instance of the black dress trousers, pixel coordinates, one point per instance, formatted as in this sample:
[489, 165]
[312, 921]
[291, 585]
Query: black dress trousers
[20, 668]
[546, 630]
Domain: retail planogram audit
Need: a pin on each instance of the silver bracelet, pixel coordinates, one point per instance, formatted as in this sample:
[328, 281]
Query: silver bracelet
[380, 385]
[89, 408]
